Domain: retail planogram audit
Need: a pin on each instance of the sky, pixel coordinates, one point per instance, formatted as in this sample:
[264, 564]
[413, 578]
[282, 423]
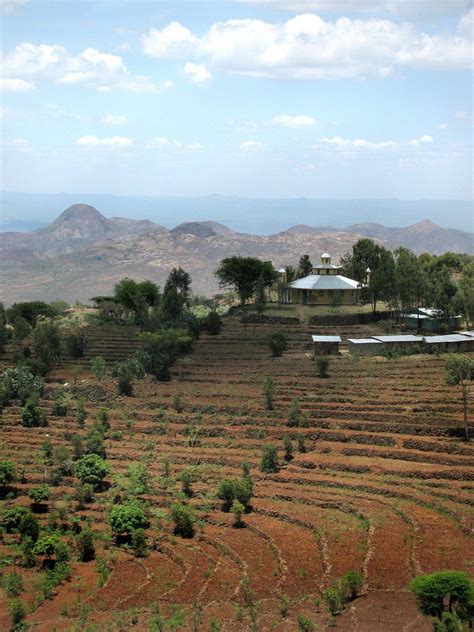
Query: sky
[283, 98]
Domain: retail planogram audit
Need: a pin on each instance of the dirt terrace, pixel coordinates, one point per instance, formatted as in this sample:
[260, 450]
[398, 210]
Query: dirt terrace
[383, 487]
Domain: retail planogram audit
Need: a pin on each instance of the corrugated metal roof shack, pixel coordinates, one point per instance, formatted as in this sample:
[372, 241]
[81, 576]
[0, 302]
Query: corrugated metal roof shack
[326, 345]
[404, 342]
[449, 342]
[364, 346]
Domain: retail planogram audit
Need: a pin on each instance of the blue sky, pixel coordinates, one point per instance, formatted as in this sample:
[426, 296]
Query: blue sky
[290, 98]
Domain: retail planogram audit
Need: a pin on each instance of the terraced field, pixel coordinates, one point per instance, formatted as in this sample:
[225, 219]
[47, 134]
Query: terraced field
[384, 487]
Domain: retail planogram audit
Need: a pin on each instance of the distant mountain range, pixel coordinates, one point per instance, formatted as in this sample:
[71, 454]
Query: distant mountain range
[259, 216]
[82, 253]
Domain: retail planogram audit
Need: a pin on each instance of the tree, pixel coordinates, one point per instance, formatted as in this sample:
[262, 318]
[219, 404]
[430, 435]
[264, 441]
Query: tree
[442, 295]
[124, 519]
[184, 518]
[180, 281]
[75, 343]
[305, 267]
[92, 469]
[22, 329]
[260, 297]
[39, 495]
[85, 545]
[7, 473]
[322, 363]
[277, 344]
[242, 273]
[47, 344]
[466, 293]
[139, 478]
[17, 612]
[138, 542]
[268, 391]
[161, 349]
[186, 483]
[126, 372]
[411, 280]
[213, 323]
[269, 460]
[460, 372]
[442, 591]
[137, 298]
[19, 383]
[294, 414]
[235, 489]
[51, 546]
[238, 510]
[99, 368]
[31, 311]
[32, 416]
[95, 442]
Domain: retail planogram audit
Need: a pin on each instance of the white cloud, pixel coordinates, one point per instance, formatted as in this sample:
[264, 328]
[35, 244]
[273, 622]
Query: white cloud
[298, 122]
[175, 40]
[251, 145]
[466, 24]
[168, 144]
[306, 47]
[8, 6]
[16, 85]
[92, 68]
[197, 73]
[442, 126]
[358, 143]
[426, 138]
[112, 142]
[110, 119]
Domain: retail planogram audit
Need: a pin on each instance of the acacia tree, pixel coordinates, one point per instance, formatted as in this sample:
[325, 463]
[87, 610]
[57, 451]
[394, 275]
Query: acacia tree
[138, 298]
[444, 592]
[180, 281]
[460, 372]
[243, 273]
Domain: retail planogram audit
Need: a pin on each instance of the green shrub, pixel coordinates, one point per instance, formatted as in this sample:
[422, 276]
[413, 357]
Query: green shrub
[85, 545]
[184, 519]
[288, 447]
[294, 414]
[277, 344]
[124, 519]
[12, 584]
[268, 391]
[138, 542]
[351, 584]
[186, 483]
[333, 601]
[75, 343]
[32, 416]
[20, 384]
[17, 612]
[92, 469]
[444, 590]
[39, 494]
[99, 368]
[7, 473]
[213, 323]
[305, 624]
[269, 460]
[235, 489]
[238, 510]
[322, 364]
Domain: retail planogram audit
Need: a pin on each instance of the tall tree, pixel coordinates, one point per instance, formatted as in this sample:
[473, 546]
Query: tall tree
[260, 298]
[305, 267]
[138, 298]
[242, 273]
[179, 280]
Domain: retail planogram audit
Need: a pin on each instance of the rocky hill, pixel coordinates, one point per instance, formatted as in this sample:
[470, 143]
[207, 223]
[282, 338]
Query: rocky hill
[77, 227]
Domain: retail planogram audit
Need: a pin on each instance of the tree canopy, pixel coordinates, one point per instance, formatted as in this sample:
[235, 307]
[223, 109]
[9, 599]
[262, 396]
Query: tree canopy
[243, 273]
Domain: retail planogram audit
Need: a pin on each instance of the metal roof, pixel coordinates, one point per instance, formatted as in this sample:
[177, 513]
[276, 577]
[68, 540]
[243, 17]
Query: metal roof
[326, 266]
[447, 338]
[406, 338]
[326, 338]
[467, 333]
[417, 316]
[325, 255]
[358, 341]
[325, 282]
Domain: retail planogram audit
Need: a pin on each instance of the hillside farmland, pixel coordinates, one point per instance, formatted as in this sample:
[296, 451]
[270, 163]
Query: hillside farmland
[383, 487]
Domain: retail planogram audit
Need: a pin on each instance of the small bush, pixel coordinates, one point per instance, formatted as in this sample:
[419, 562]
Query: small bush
[294, 414]
[17, 612]
[238, 510]
[305, 624]
[322, 364]
[277, 344]
[268, 391]
[186, 483]
[288, 447]
[269, 460]
[12, 584]
[75, 343]
[32, 416]
[85, 545]
[213, 323]
[184, 519]
[138, 542]
[99, 368]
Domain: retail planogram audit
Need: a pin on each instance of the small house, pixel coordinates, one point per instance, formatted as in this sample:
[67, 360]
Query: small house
[451, 343]
[365, 346]
[326, 345]
[428, 320]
